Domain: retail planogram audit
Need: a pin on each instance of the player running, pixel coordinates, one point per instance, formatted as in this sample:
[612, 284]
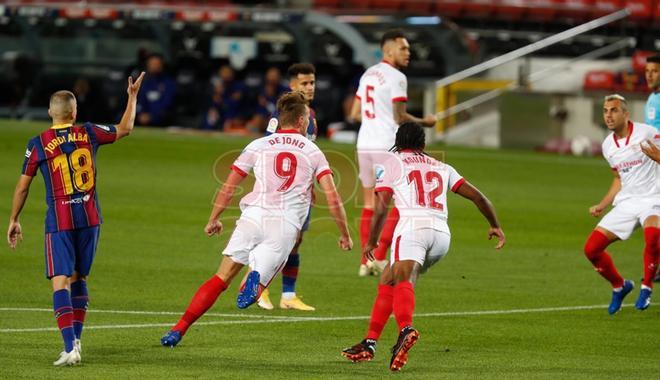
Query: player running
[380, 105]
[66, 156]
[302, 78]
[285, 165]
[419, 185]
[635, 195]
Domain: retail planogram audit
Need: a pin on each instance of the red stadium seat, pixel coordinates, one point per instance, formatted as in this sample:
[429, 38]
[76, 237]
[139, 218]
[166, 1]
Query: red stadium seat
[604, 7]
[511, 9]
[389, 5]
[639, 60]
[449, 8]
[599, 80]
[478, 8]
[542, 10]
[326, 3]
[641, 10]
[577, 9]
[357, 4]
[417, 6]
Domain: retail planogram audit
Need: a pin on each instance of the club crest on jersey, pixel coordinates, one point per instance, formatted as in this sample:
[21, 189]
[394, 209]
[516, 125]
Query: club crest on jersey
[272, 125]
[380, 172]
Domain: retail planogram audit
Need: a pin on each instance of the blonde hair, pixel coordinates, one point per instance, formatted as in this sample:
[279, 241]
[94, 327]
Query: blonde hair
[621, 99]
[62, 104]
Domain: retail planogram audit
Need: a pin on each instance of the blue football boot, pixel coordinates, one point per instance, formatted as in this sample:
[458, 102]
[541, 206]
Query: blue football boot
[644, 299]
[617, 297]
[171, 339]
[250, 292]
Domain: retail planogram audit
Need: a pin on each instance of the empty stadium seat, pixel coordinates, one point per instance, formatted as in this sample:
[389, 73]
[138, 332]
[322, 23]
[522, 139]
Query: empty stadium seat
[576, 9]
[641, 10]
[599, 80]
[604, 7]
[542, 10]
[478, 8]
[449, 8]
[385, 4]
[511, 9]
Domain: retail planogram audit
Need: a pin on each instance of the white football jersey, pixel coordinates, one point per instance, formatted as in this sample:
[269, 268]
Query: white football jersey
[419, 184]
[379, 86]
[637, 171]
[285, 165]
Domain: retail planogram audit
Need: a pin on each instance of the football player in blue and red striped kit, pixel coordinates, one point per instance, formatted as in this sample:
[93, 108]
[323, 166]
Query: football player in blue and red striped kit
[66, 156]
[302, 78]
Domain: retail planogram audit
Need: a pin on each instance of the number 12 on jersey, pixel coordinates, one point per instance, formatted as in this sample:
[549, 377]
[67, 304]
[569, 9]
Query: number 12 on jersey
[423, 199]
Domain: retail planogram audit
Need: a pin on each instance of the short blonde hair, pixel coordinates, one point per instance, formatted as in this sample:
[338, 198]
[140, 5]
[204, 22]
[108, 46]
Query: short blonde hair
[621, 99]
[62, 104]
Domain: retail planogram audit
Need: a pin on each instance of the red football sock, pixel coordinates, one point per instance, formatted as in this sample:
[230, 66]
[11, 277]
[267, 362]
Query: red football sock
[201, 302]
[365, 226]
[404, 303]
[594, 249]
[386, 236]
[381, 311]
[651, 254]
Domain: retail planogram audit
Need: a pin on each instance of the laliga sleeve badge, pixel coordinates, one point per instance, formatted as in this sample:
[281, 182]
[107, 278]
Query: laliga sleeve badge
[272, 125]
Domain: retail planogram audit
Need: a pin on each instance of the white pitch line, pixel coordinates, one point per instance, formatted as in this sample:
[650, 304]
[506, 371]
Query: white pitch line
[140, 312]
[283, 319]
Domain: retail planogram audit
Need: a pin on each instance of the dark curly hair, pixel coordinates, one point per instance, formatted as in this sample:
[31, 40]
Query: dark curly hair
[410, 135]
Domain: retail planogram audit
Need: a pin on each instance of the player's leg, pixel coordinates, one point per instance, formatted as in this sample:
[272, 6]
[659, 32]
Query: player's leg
[380, 253]
[367, 178]
[651, 257]
[203, 300]
[235, 257]
[60, 259]
[413, 252]
[86, 241]
[268, 258]
[289, 298]
[617, 224]
[380, 314]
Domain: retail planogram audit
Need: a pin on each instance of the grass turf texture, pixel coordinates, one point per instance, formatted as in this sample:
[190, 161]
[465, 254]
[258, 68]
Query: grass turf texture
[156, 191]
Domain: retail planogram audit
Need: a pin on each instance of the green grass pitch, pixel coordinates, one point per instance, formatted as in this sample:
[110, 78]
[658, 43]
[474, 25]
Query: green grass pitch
[534, 310]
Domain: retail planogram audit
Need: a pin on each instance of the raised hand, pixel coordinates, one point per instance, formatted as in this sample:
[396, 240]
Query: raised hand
[134, 87]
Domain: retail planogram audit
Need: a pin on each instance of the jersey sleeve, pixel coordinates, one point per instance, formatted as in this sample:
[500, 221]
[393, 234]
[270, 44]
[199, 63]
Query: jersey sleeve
[30, 163]
[101, 134]
[454, 179]
[388, 172]
[246, 160]
[400, 89]
[321, 165]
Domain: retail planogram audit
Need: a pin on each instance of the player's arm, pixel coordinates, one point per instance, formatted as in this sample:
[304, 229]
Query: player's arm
[401, 116]
[381, 207]
[651, 150]
[356, 110]
[336, 210]
[466, 190]
[607, 200]
[14, 233]
[222, 200]
[127, 122]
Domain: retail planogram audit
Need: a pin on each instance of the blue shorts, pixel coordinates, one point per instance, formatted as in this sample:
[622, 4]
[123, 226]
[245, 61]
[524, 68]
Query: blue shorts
[69, 251]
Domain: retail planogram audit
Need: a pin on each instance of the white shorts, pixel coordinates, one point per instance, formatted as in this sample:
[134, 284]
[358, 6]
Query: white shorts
[368, 161]
[626, 216]
[425, 246]
[262, 241]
